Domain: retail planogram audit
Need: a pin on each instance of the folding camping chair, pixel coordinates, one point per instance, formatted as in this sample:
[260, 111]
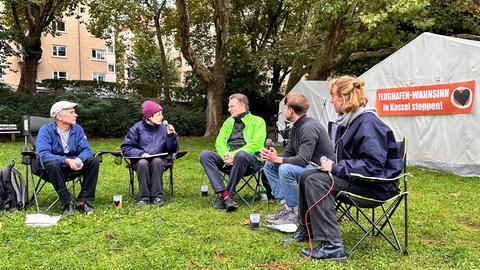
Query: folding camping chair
[251, 175]
[34, 165]
[345, 200]
[131, 169]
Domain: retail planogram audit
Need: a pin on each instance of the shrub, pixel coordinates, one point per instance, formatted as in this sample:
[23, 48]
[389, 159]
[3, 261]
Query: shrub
[100, 117]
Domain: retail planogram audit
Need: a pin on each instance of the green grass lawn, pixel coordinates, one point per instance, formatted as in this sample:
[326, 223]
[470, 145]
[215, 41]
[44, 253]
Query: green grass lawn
[187, 233]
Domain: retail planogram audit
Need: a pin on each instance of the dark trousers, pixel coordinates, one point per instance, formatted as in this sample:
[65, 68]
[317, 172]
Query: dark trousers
[212, 164]
[150, 178]
[58, 173]
[322, 219]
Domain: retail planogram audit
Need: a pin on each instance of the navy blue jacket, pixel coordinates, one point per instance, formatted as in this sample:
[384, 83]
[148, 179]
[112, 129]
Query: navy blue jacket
[368, 147]
[49, 144]
[152, 139]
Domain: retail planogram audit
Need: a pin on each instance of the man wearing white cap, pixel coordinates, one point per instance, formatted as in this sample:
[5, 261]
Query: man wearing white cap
[64, 148]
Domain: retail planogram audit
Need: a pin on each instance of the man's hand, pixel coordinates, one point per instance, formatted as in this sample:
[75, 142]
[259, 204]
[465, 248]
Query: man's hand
[270, 154]
[72, 164]
[228, 159]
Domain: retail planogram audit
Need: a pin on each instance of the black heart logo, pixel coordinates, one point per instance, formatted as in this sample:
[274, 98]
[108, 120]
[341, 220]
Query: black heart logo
[461, 96]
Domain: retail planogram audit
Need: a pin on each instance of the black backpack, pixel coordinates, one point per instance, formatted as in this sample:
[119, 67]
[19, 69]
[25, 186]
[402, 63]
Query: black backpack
[12, 188]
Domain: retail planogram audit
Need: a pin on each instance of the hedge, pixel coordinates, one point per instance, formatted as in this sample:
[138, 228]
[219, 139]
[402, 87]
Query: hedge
[100, 116]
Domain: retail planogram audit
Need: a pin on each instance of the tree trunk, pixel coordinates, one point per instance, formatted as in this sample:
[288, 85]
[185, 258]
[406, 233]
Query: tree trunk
[32, 52]
[214, 81]
[166, 80]
[214, 109]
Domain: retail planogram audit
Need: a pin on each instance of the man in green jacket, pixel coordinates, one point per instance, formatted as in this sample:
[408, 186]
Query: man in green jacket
[241, 137]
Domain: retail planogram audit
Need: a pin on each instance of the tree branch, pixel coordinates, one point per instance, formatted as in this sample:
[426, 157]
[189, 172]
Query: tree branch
[370, 54]
[468, 36]
[184, 24]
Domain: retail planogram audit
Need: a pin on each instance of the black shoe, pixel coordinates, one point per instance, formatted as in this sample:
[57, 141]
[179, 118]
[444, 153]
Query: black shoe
[300, 235]
[230, 204]
[326, 250]
[85, 208]
[158, 201]
[67, 209]
[219, 204]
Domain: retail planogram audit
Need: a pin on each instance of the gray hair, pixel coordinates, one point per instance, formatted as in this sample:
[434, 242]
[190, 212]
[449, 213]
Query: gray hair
[241, 98]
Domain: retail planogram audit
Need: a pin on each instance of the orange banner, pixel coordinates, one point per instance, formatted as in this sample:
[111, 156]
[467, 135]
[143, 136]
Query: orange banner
[450, 98]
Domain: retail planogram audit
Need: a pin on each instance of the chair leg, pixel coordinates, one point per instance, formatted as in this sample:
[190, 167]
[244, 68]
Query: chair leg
[131, 184]
[171, 182]
[71, 187]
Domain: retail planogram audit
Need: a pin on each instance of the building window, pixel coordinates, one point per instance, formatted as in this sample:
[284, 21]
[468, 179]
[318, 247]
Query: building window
[111, 68]
[1, 73]
[59, 75]
[110, 48]
[59, 26]
[59, 51]
[82, 10]
[100, 77]
[98, 54]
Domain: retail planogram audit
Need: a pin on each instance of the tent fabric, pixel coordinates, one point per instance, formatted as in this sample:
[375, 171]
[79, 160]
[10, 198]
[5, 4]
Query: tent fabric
[440, 142]
[319, 98]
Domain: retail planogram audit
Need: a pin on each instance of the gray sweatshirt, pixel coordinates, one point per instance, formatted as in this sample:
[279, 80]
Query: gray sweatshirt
[308, 141]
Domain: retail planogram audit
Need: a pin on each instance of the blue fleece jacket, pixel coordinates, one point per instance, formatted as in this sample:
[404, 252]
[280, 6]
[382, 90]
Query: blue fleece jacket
[152, 139]
[49, 144]
[368, 147]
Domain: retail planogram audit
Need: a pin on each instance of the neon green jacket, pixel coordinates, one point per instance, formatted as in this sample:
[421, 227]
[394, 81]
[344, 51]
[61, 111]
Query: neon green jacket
[254, 135]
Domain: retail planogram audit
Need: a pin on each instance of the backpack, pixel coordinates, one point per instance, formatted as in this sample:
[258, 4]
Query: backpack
[12, 188]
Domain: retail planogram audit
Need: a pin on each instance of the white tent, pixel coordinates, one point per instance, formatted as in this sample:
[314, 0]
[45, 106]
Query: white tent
[441, 142]
[319, 98]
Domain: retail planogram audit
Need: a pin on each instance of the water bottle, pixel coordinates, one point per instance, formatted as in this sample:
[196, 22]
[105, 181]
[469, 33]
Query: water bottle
[262, 191]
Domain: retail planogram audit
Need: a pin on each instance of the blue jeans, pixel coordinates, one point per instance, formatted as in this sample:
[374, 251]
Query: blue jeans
[283, 178]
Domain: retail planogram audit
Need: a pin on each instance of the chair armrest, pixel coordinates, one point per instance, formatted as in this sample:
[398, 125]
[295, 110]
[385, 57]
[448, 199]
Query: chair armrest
[179, 154]
[357, 176]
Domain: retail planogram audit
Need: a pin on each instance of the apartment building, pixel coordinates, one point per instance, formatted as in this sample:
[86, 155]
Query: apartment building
[73, 55]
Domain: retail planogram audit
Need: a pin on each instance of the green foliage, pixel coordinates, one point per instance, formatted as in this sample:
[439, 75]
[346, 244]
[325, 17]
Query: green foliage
[187, 233]
[100, 116]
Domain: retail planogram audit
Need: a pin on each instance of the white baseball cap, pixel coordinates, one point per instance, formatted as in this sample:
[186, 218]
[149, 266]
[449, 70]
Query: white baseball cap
[60, 106]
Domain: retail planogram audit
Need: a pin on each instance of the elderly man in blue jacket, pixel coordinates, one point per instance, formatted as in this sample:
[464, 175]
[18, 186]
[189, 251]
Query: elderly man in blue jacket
[64, 148]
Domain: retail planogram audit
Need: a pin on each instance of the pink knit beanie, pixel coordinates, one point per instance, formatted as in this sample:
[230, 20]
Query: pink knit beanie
[149, 108]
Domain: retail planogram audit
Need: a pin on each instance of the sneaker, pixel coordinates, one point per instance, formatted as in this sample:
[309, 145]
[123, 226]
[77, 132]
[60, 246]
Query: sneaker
[67, 209]
[326, 250]
[158, 201]
[85, 208]
[290, 218]
[141, 203]
[300, 235]
[230, 204]
[219, 204]
[280, 213]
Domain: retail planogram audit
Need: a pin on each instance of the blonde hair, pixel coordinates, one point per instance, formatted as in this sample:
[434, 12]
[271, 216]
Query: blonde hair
[352, 88]
[298, 102]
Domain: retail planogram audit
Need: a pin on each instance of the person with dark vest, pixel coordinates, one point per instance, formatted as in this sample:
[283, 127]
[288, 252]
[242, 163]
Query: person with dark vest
[239, 141]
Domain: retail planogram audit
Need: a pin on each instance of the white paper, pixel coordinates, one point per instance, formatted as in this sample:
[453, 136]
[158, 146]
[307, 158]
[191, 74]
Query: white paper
[287, 228]
[41, 220]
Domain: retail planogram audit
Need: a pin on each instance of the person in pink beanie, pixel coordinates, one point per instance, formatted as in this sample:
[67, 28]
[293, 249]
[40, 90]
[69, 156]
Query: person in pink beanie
[148, 137]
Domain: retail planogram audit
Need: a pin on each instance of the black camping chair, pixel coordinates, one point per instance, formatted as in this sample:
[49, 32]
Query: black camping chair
[251, 180]
[35, 172]
[131, 169]
[346, 200]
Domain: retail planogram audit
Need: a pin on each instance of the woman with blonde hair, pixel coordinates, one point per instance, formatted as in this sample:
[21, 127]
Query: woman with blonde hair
[363, 145]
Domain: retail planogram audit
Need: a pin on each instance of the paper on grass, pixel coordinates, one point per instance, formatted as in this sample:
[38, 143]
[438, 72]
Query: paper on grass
[41, 220]
[287, 228]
